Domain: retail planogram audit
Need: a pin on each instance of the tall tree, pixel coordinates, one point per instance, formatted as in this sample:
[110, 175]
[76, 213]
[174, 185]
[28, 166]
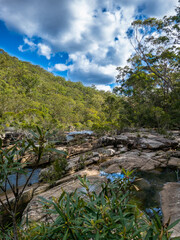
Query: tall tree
[152, 76]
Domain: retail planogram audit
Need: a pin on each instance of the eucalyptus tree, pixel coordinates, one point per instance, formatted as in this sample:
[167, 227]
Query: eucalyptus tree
[151, 78]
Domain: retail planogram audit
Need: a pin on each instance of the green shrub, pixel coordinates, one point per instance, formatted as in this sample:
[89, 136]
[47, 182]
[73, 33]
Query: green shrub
[88, 215]
[60, 165]
[11, 163]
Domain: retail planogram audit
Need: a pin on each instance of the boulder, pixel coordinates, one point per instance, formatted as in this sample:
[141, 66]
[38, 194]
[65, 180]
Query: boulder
[155, 142]
[122, 149]
[105, 141]
[143, 141]
[175, 162]
[108, 152]
[122, 139]
[114, 168]
[45, 172]
[170, 204]
[150, 144]
[132, 160]
[95, 154]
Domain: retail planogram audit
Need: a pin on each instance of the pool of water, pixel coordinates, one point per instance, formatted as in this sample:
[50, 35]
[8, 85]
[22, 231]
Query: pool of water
[147, 200]
[22, 178]
[112, 176]
[70, 136]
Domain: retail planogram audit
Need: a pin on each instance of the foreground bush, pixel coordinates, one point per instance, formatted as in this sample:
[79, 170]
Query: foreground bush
[88, 215]
[14, 161]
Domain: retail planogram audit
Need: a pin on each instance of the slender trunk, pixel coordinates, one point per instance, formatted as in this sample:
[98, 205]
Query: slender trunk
[15, 227]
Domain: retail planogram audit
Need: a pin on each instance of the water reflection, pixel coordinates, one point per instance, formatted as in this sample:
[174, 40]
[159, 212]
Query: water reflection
[22, 178]
[112, 176]
[70, 136]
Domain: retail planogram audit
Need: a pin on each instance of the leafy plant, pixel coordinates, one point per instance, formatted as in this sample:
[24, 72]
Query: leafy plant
[150, 81]
[12, 162]
[89, 215]
[60, 165]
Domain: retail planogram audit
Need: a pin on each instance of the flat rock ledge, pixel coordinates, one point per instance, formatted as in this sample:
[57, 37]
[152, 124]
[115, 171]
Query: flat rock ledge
[170, 203]
[34, 210]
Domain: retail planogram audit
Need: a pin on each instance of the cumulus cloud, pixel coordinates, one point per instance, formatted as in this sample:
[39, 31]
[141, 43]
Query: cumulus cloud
[61, 67]
[93, 33]
[89, 71]
[44, 50]
[104, 88]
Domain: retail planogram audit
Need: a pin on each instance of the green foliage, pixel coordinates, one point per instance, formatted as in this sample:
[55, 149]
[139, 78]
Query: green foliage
[57, 170]
[149, 88]
[31, 96]
[81, 161]
[151, 80]
[11, 162]
[60, 165]
[88, 215]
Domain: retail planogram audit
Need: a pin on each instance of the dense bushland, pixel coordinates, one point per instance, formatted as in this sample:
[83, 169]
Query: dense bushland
[29, 96]
[148, 94]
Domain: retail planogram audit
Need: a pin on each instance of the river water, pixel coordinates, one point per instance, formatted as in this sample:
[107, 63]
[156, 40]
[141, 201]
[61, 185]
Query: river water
[35, 176]
[70, 135]
[22, 178]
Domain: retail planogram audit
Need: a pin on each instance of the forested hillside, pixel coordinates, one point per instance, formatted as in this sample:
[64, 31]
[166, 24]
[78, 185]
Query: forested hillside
[30, 95]
[148, 94]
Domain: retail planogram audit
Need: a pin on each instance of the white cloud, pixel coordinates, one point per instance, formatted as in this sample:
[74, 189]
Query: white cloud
[20, 48]
[28, 45]
[89, 71]
[104, 88]
[62, 67]
[93, 33]
[44, 50]
[29, 42]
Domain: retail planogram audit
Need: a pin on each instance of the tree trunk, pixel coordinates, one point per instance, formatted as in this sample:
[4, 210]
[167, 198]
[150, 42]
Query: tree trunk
[15, 237]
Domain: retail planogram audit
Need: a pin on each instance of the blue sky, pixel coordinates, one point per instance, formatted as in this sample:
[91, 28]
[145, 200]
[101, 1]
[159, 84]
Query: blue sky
[80, 40]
